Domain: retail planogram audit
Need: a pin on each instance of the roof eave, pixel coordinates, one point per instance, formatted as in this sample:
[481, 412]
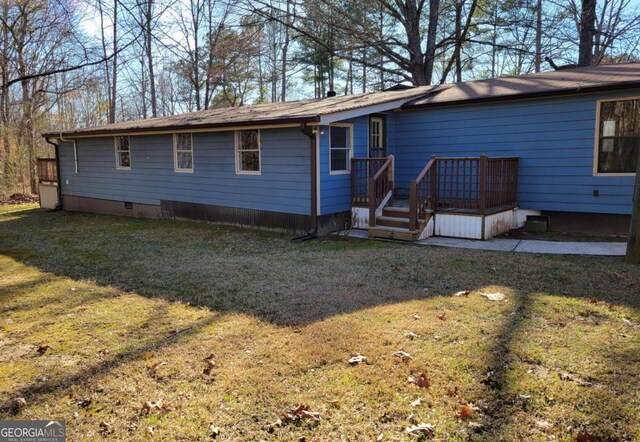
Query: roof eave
[552, 93]
[175, 127]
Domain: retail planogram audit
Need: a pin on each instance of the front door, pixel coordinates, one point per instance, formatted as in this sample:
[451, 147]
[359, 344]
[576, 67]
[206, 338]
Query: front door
[377, 143]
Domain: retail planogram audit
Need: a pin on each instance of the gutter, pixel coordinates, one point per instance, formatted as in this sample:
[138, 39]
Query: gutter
[311, 133]
[57, 153]
[170, 128]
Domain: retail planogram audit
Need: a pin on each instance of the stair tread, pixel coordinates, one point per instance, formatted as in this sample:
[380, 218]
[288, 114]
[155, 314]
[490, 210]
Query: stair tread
[393, 218]
[391, 229]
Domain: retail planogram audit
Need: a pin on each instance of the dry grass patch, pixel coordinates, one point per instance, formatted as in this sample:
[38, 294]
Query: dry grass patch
[183, 331]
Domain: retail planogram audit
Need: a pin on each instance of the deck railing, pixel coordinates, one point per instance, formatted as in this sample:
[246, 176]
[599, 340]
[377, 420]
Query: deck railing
[475, 184]
[380, 187]
[47, 170]
[361, 170]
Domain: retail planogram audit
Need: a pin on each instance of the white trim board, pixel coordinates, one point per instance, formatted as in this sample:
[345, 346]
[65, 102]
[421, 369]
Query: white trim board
[374, 109]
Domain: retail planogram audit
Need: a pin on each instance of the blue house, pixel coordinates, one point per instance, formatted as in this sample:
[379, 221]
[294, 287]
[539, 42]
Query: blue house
[468, 160]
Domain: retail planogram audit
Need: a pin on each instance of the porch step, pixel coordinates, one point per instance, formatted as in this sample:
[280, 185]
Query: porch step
[396, 212]
[391, 221]
[402, 234]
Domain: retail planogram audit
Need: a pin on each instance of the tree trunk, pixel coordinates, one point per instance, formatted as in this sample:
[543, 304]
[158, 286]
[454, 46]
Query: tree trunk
[633, 246]
[538, 60]
[114, 81]
[152, 80]
[456, 55]
[587, 25]
[432, 30]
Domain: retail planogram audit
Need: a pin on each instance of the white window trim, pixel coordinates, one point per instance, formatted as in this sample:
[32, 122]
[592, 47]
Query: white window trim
[380, 134]
[115, 145]
[597, 138]
[175, 154]
[350, 151]
[237, 154]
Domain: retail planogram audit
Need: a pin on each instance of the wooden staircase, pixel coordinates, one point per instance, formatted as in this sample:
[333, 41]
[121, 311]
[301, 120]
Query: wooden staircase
[394, 224]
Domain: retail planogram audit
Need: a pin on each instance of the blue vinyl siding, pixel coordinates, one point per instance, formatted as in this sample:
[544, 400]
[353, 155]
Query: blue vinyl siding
[554, 138]
[335, 190]
[283, 186]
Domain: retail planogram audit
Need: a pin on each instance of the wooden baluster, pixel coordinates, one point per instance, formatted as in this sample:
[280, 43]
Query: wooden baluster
[483, 184]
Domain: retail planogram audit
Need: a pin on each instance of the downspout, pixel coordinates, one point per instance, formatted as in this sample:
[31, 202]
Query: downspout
[311, 133]
[57, 153]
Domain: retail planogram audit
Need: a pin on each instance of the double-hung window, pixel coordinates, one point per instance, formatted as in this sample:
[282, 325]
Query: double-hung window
[618, 140]
[123, 152]
[341, 141]
[247, 152]
[183, 152]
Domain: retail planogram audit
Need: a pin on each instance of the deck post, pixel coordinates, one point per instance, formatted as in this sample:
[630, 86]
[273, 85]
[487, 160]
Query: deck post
[413, 210]
[434, 183]
[482, 189]
[372, 202]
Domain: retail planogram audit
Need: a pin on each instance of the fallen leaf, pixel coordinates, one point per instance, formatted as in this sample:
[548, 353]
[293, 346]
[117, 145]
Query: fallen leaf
[422, 431]
[210, 364]
[105, 428]
[494, 296]
[335, 402]
[82, 309]
[151, 430]
[214, 431]
[302, 413]
[151, 368]
[592, 300]
[380, 437]
[465, 412]
[416, 317]
[442, 316]
[402, 355]
[584, 436]
[626, 321]
[43, 349]
[420, 380]
[149, 406]
[417, 402]
[83, 403]
[104, 352]
[462, 293]
[357, 359]
[411, 335]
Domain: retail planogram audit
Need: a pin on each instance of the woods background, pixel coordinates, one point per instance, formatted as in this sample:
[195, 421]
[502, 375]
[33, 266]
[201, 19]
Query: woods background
[67, 63]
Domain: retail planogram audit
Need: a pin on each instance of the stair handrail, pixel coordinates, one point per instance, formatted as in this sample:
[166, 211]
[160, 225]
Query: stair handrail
[422, 195]
[380, 184]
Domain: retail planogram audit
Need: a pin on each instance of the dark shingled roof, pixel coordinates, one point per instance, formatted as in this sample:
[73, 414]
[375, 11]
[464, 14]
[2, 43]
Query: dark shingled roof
[575, 80]
[306, 111]
[566, 81]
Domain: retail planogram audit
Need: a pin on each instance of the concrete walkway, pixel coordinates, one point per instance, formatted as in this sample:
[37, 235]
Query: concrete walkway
[517, 245]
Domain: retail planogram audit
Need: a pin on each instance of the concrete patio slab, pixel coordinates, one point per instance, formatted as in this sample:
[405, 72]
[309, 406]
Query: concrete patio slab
[500, 245]
[573, 248]
[514, 245]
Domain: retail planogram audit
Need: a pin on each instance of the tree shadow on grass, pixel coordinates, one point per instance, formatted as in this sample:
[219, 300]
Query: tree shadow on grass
[267, 276]
[57, 384]
[515, 408]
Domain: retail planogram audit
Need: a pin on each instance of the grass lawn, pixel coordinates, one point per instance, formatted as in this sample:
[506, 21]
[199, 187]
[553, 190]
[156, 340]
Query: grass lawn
[135, 329]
